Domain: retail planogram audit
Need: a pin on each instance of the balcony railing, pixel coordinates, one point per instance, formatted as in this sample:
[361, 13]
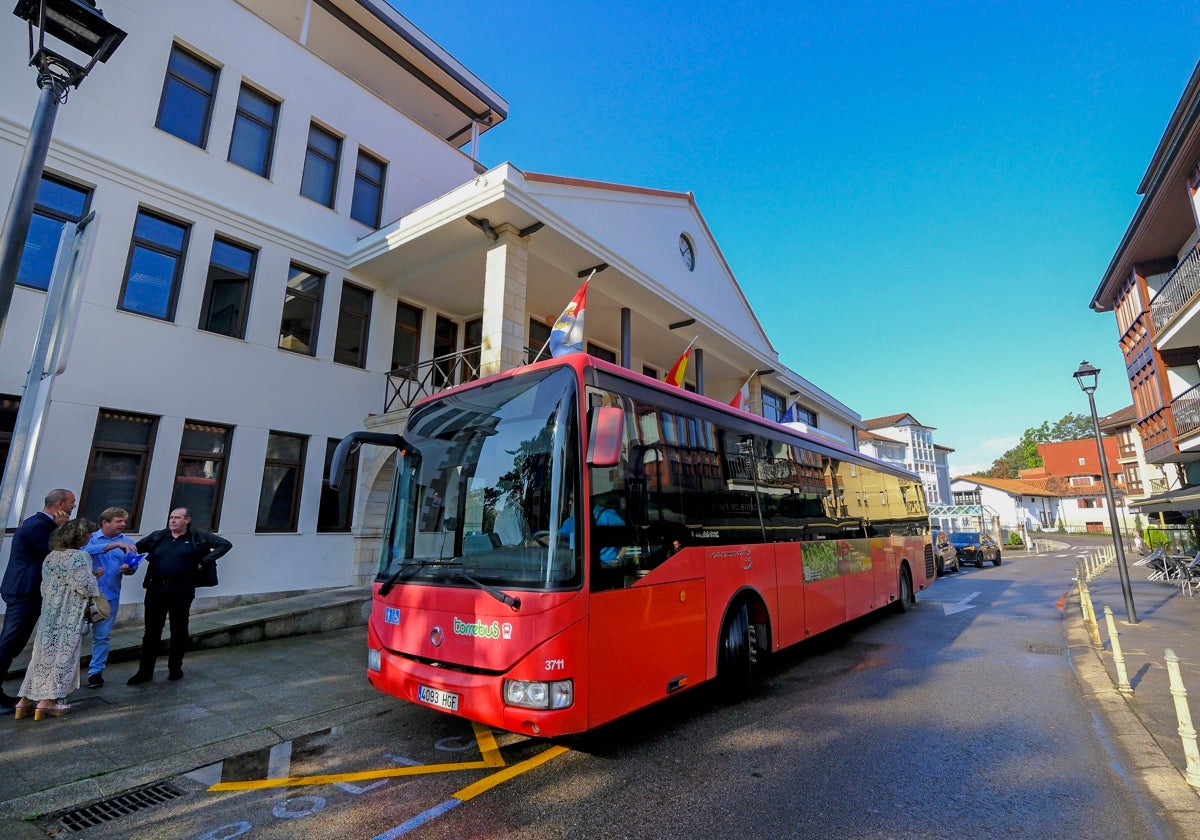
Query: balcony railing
[1181, 286]
[410, 383]
[1186, 410]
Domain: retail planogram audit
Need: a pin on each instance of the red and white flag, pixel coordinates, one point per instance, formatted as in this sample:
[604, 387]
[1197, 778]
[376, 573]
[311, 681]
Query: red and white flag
[742, 398]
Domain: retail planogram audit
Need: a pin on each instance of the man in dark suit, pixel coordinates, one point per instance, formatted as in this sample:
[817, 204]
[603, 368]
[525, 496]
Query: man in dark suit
[22, 584]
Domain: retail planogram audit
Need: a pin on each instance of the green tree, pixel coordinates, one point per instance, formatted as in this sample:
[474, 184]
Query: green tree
[1024, 455]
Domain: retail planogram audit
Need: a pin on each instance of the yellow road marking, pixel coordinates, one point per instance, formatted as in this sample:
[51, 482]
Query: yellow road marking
[487, 783]
[484, 738]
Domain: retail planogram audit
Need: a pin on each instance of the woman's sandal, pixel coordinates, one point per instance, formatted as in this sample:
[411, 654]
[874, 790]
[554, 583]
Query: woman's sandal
[24, 709]
[57, 710]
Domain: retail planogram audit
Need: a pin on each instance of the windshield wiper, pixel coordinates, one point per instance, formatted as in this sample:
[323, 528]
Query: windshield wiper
[502, 597]
[407, 570]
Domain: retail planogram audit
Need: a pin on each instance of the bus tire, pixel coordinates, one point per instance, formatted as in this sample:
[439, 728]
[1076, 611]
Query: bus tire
[734, 655]
[904, 598]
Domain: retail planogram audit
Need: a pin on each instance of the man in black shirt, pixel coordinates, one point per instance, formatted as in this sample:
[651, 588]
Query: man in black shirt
[176, 556]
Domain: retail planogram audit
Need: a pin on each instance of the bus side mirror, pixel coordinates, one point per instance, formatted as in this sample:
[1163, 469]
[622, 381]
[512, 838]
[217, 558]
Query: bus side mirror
[604, 436]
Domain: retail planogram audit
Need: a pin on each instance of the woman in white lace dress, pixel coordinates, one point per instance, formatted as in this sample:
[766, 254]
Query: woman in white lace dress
[67, 584]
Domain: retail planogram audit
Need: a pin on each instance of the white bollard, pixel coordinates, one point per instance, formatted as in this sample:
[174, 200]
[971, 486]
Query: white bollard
[1187, 732]
[1089, 617]
[1114, 638]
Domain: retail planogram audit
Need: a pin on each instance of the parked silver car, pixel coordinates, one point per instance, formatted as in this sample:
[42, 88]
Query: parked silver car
[945, 555]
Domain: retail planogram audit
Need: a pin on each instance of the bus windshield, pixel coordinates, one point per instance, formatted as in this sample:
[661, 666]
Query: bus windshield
[484, 488]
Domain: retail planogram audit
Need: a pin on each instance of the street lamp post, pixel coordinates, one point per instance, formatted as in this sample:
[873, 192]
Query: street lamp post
[1087, 376]
[82, 27]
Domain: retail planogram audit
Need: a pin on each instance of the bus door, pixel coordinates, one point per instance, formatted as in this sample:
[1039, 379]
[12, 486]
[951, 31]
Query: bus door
[647, 641]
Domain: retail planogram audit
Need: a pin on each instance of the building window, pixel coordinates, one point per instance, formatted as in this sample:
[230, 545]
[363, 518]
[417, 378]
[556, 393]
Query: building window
[227, 295]
[1091, 503]
[539, 336]
[57, 203]
[200, 474]
[367, 203]
[253, 138]
[155, 265]
[9, 404]
[472, 348]
[354, 320]
[120, 459]
[337, 506]
[301, 310]
[187, 98]
[319, 181]
[283, 473]
[445, 352]
[649, 371]
[406, 346]
[772, 405]
[601, 352]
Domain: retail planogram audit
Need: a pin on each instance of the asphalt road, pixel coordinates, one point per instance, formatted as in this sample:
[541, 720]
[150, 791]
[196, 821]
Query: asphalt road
[961, 718]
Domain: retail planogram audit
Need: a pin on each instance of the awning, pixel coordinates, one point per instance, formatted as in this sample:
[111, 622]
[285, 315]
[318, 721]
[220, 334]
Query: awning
[1186, 498]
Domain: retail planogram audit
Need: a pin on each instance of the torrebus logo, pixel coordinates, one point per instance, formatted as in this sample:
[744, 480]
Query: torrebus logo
[476, 628]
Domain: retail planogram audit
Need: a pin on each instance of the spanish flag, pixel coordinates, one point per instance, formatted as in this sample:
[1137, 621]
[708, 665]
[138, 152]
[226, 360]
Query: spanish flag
[676, 373]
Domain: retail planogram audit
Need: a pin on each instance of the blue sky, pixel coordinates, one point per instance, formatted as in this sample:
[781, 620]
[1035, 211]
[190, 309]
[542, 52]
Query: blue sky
[918, 199]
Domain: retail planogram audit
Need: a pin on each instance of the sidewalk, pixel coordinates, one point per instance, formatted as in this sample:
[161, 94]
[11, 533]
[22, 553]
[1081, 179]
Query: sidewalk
[234, 698]
[1144, 723]
[305, 674]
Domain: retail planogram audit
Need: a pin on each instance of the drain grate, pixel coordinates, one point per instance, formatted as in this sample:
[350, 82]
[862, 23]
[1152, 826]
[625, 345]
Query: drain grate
[119, 806]
[1045, 649]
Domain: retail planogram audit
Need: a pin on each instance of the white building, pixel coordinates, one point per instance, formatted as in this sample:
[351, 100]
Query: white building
[290, 207]
[1017, 506]
[903, 440]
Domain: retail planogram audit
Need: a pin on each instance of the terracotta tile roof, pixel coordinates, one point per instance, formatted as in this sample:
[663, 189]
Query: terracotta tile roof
[890, 420]
[1014, 486]
[1119, 419]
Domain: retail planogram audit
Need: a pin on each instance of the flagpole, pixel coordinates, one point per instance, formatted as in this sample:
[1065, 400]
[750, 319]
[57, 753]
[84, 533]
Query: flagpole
[547, 344]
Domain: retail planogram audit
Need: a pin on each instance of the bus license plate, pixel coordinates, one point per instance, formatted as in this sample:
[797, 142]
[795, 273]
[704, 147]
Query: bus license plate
[437, 697]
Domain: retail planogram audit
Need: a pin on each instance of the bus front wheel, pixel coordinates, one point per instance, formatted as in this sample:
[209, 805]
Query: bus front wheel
[735, 658]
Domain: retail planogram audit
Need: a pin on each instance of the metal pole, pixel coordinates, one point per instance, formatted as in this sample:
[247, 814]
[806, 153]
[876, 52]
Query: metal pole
[1130, 611]
[24, 195]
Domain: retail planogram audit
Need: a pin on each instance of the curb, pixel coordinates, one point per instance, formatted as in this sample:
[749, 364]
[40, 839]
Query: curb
[1161, 788]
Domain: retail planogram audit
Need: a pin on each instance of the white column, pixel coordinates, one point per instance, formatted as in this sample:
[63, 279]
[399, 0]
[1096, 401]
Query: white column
[506, 275]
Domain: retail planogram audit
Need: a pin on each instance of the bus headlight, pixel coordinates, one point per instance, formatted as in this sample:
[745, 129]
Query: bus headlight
[539, 695]
[374, 658]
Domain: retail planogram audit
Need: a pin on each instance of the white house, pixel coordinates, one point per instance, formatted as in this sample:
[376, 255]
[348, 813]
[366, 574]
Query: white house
[1018, 506]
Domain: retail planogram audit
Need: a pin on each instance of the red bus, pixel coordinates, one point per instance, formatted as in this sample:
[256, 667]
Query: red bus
[570, 541]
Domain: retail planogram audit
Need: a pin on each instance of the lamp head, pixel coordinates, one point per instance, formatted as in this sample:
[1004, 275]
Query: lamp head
[77, 24]
[1087, 375]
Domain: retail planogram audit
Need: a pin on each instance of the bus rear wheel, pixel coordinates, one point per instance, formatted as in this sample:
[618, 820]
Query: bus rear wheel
[904, 597]
[734, 658]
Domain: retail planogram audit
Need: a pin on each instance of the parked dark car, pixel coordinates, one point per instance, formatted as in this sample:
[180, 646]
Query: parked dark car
[945, 555]
[974, 547]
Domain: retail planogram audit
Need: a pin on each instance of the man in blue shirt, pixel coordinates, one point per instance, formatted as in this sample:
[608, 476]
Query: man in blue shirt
[22, 584]
[109, 548]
